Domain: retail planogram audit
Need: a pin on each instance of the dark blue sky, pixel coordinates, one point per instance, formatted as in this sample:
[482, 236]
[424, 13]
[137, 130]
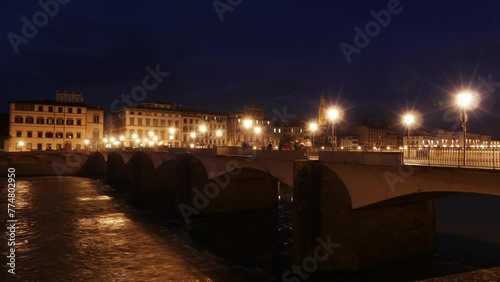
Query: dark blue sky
[266, 53]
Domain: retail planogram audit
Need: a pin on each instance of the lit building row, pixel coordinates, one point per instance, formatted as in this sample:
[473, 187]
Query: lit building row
[446, 138]
[164, 124]
[65, 123]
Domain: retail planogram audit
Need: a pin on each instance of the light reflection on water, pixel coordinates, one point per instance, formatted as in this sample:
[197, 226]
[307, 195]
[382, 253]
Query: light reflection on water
[97, 198]
[70, 230]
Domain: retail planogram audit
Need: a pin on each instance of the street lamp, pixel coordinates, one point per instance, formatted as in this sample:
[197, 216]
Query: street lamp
[408, 120]
[86, 142]
[247, 123]
[105, 140]
[203, 129]
[313, 127]
[333, 115]
[218, 133]
[193, 136]
[21, 144]
[257, 131]
[122, 138]
[464, 101]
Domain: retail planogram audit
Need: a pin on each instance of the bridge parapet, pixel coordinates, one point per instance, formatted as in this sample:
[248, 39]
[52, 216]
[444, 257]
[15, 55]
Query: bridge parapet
[362, 158]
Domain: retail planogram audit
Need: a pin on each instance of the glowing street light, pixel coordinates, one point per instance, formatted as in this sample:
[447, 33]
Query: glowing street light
[113, 139]
[203, 129]
[333, 114]
[171, 130]
[257, 131]
[408, 120]
[21, 144]
[134, 136]
[121, 138]
[313, 127]
[247, 123]
[192, 135]
[105, 140]
[465, 101]
[218, 133]
[151, 133]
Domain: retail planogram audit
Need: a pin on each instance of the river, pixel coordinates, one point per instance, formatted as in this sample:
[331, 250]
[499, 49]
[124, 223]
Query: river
[79, 229]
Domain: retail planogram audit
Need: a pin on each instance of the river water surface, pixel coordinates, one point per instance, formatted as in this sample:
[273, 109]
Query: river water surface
[78, 229]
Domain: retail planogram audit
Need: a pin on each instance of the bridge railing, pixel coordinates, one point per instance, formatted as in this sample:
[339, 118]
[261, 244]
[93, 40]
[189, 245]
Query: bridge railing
[453, 157]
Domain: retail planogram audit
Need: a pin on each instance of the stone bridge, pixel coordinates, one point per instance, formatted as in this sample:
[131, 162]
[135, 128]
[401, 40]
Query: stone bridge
[377, 209]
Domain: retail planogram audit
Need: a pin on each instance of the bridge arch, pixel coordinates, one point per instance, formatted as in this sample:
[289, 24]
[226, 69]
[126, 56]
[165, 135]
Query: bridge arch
[382, 185]
[231, 184]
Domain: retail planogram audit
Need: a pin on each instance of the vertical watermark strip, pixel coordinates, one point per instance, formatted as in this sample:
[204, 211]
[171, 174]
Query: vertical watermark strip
[11, 220]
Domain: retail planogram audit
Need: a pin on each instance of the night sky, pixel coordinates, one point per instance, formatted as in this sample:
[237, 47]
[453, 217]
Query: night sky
[273, 54]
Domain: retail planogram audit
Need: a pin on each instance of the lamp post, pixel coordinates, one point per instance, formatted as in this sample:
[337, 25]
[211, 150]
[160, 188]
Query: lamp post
[86, 142]
[21, 144]
[464, 101]
[333, 115]
[218, 134]
[257, 131]
[408, 120]
[247, 123]
[105, 141]
[171, 132]
[193, 136]
[203, 129]
[313, 127]
[122, 139]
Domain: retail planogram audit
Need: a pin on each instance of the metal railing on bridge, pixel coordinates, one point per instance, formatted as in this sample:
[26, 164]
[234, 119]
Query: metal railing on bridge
[453, 157]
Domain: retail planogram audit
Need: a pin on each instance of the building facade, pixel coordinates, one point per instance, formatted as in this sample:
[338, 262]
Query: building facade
[165, 124]
[251, 128]
[65, 123]
[374, 137]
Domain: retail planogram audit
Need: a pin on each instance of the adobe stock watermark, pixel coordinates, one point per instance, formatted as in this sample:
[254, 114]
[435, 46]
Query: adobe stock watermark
[201, 199]
[372, 29]
[311, 263]
[392, 178]
[72, 163]
[484, 86]
[139, 93]
[222, 6]
[40, 19]
[283, 117]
